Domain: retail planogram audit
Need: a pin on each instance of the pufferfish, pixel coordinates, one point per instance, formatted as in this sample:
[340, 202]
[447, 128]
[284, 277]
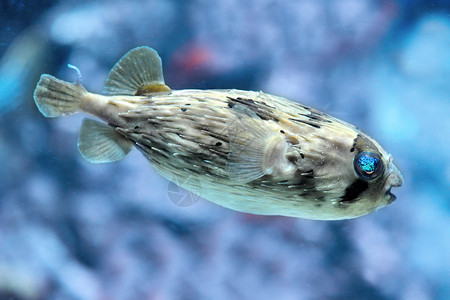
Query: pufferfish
[248, 151]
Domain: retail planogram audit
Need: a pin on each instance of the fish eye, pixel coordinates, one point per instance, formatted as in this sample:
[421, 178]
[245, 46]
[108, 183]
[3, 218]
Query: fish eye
[368, 165]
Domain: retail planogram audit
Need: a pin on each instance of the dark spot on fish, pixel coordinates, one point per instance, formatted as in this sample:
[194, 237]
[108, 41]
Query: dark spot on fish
[183, 109]
[302, 155]
[218, 144]
[292, 158]
[354, 190]
[264, 103]
[316, 115]
[263, 111]
[282, 131]
[217, 136]
[265, 117]
[305, 122]
[310, 117]
[136, 127]
[354, 143]
[202, 128]
[155, 123]
[247, 99]
[317, 205]
[308, 174]
[220, 153]
[187, 104]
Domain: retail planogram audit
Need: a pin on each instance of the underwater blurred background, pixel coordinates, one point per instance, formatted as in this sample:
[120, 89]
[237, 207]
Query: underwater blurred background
[72, 230]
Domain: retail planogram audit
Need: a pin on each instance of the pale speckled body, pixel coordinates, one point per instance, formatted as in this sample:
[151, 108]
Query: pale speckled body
[248, 151]
[184, 134]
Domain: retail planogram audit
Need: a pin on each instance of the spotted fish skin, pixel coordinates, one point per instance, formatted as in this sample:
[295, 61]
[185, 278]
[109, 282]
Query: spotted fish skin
[244, 150]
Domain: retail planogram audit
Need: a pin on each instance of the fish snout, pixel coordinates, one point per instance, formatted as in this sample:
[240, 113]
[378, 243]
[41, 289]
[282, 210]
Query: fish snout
[394, 179]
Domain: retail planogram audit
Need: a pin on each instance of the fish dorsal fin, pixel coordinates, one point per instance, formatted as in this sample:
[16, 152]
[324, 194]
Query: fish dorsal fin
[254, 146]
[138, 72]
[99, 143]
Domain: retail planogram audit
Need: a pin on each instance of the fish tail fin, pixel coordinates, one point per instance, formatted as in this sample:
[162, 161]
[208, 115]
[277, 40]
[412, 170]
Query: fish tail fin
[55, 97]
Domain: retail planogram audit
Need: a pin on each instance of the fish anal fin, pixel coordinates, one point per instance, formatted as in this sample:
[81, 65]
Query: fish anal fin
[138, 72]
[100, 143]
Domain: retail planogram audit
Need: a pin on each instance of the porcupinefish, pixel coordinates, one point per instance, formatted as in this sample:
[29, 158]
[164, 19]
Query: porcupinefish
[248, 151]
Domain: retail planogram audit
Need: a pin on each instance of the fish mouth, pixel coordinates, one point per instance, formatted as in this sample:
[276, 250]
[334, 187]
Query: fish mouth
[394, 179]
[389, 196]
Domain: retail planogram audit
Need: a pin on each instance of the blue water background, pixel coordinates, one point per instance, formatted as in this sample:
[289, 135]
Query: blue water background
[73, 230]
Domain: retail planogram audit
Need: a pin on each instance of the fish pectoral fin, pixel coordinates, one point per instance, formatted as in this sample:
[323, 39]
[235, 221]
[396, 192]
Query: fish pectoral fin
[254, 147]
[137, 73]
[99, 143]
